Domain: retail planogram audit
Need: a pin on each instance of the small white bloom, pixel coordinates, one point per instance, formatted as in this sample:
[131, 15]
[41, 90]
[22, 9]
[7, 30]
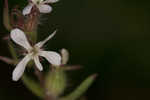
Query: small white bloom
[34, 52]
[42, 5]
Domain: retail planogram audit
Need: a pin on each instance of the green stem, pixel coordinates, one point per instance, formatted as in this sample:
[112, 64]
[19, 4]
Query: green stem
[6, 19]
[12, 51]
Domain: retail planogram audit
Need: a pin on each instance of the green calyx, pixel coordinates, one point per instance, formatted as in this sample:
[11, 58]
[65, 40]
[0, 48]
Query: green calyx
[56, 81]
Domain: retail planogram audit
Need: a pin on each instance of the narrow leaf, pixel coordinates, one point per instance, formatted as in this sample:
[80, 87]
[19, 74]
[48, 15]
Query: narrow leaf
[33, 86]
[80, 89]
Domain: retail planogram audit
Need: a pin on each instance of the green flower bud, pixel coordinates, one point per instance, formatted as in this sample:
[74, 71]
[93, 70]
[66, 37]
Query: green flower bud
[56, 81]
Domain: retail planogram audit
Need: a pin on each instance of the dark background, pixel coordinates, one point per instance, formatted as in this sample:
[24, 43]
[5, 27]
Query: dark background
[108, 37]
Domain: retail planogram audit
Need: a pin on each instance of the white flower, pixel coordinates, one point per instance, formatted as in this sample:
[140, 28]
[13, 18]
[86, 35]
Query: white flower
[33, 52]
[42, 5]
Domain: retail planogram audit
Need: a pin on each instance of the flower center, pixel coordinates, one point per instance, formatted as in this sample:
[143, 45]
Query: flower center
[34, 51]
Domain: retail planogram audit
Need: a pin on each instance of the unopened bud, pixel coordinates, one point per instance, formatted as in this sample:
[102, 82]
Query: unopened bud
[65, 56]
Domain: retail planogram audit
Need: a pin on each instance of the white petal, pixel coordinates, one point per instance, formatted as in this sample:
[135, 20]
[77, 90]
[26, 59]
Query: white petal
[41, 43]
[19, 37]
[27, 9]
[19, 70]
[53, 57]
[45, 8]
[37, 63]
[51, 1]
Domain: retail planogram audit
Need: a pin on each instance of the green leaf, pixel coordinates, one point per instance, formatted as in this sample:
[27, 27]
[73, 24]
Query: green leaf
[80, 89]
[33, 86]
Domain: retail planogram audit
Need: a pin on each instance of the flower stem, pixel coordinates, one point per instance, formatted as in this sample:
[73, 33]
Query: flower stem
[12, 51]
[42, 83]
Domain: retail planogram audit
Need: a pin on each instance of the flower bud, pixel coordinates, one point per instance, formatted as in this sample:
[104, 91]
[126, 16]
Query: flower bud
[65, 56]
[56, 81]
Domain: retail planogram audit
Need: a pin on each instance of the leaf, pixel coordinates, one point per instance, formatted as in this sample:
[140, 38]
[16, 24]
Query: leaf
[80, 89]
[33, 86]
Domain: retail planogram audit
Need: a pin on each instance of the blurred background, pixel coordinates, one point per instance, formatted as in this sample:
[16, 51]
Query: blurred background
[108, 37]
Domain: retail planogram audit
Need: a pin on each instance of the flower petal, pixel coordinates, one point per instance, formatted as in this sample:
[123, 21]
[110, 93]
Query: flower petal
[51, 1]
[37, 63]
[27, 9]
[19, 37]
[19, 70]
[43, 8]
[41, 43]
[53, 57]
[65, 56]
